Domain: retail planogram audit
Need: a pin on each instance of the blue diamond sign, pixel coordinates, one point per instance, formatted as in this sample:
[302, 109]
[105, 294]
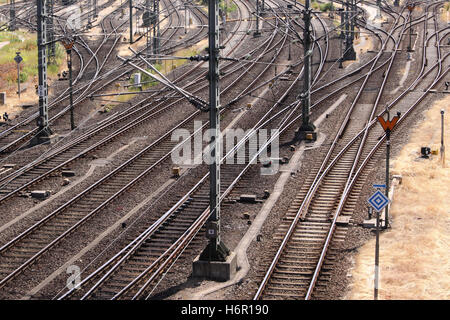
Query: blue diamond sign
[378, 201]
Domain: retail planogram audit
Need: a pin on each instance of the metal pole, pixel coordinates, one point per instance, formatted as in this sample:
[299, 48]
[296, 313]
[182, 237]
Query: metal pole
[350, 53]
[347, 27]
[148, 42]
[306, 126]
[214, 96]
[50, 32]
[216, 250]
[42, 70]
[12, 15]
[18, 77]
[330, 14]
[185, 17]
[410, 31]
[154, 27]
[147, 23]
[388, 151]
[289, 55]
[377, 257]
[257, 33]
[89, 14]
[158, 34]
[69, 64]
[307, 53]
[341, 37]
[156, 30]
[442, 139]
[352, 22]
[378, 16]
[131, 21]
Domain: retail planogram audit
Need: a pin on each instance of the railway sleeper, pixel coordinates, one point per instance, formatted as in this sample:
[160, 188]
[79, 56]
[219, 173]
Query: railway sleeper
[161, 240]
[314, 233]
[303, 247]
[326, 198]
[286, 293]
[133, 268]
[37, 239]
[283, 267]
[14, 255]
[83, 209]
[5, 270]
[298, 263]
[285, 276]
[180, 223]
[175, 229]
[289, 282]
[321, 206]
[187, 214]
[310, 237]
[319, 213]
[310, 218]
[72, 216]
[144, 260]
[302, 227]
[287, 287]
[57, 224]
[301, 255]
[120, 280]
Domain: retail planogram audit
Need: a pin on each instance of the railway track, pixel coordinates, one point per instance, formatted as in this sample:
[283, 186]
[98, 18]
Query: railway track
[93, 140]
[91, 200]
[18, 134]
[311, 227]
[95, 90]
[128, 275]
[14, 137]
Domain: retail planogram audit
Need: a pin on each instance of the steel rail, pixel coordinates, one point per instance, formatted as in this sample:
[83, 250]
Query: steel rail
[315, 184]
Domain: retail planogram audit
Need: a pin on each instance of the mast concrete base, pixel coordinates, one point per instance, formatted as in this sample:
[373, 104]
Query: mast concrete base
[215, 270]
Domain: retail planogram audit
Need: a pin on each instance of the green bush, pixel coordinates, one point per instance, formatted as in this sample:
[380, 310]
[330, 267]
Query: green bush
[23, 77]
[52, 69]
[324, 7]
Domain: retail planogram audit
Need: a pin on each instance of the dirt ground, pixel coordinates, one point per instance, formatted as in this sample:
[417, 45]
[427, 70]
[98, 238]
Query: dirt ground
[414, 252]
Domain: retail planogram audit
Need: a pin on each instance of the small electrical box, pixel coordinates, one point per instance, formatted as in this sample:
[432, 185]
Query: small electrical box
[212, 229]
[425, 152]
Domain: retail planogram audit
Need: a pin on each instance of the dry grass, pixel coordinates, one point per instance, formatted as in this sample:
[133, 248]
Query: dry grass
[29, 70]
[414, 254]
[445, 14]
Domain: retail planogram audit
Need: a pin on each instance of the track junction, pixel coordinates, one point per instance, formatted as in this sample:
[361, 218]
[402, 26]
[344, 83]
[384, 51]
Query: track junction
[129, 225]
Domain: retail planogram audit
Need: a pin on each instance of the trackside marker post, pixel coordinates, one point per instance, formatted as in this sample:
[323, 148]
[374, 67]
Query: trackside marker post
[379, 200]
[442, 139]
[68, 45]
[18, 60]
[388, 126]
